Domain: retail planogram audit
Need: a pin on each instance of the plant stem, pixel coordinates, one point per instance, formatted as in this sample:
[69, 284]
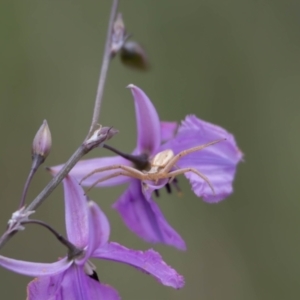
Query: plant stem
[57, 179]
[78, 154]
[104, 67]
[36, 162]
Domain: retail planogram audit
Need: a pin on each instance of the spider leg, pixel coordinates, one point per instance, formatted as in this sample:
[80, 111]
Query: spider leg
[171, 178]
[135, 173]
[184, 170]
[175, 159]
[107, 168]
[115, 174]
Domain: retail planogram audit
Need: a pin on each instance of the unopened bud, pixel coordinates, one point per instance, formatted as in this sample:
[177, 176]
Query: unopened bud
[118, 35]
[42, 141]
[133, 55]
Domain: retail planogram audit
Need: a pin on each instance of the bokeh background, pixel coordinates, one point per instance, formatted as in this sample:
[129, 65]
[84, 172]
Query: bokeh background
[234, 63]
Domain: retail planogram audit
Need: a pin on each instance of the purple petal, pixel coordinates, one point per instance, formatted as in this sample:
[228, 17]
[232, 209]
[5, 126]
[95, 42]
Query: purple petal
[32, 268]
[75, 285]
[76, 212]
[145, 219]
[84, 167]
[167, 130]
[217, 162]
[148, 125]
[151, 186]
[45, 288]
[149, 261]
[99, 228]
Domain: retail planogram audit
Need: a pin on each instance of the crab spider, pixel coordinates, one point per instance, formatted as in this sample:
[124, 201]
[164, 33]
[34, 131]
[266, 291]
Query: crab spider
[160, 167]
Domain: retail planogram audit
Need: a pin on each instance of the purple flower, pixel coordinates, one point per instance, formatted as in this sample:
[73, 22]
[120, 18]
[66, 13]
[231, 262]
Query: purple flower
[218, 162]
[74, 278]
[137, 208]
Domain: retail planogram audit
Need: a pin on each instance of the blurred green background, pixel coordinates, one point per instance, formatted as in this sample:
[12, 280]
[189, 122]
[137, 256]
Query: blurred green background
[234, 63]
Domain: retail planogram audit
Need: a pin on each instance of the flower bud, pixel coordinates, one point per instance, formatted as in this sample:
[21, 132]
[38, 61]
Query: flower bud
[133, 55]
[118, 35]
[42, 141]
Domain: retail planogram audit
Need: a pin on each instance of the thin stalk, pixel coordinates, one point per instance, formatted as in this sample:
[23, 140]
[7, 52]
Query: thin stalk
[37, 161]
[104, 67]
[73, 250]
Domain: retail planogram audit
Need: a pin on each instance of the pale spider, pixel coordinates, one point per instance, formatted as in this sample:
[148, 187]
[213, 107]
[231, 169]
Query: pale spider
[160, 168]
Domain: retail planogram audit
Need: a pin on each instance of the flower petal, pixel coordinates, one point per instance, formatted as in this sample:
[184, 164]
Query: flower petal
[217, 162]
[45, 287]
[167, 130]
[145, 219]
[76, 212]
[84, 167]
[99, 228]
[32, 268]
[151, 186]
[75, 285]
[148, 125]
[79, 286]
[149, 261]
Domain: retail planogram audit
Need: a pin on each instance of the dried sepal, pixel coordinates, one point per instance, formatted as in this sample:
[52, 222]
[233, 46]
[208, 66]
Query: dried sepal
[118, 35]
[99, 136]
[19, 216]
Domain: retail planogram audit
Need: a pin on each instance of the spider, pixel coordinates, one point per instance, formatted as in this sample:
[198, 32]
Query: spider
[160, 167]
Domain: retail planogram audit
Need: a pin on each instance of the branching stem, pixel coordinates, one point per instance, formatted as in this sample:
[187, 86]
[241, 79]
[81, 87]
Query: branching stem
[78, 154]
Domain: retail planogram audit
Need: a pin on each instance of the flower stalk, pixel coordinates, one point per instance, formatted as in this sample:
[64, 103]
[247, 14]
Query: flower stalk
[73, 250]
[105, 64]
[82, 149]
